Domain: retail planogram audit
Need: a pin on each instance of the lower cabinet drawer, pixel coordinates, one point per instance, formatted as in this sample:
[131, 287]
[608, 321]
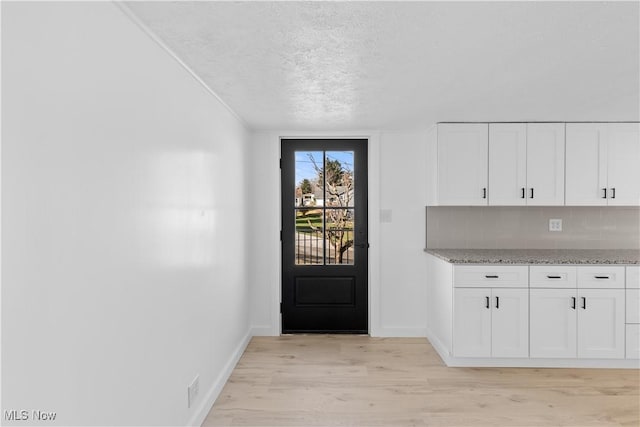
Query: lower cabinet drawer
[490, 276]
[633, 306]
[601, 277]
[633, 342]
[552, 276]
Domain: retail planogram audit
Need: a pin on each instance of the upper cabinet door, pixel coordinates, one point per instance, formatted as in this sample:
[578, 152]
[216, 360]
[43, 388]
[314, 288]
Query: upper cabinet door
[545, 164]
[462, 164]
[586, 163]
[623, 155]
[508, 164]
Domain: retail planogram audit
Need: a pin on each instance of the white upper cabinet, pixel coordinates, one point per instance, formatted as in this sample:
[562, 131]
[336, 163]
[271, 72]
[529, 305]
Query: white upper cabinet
[623, 172]
[545, 164]
[536, 164]
[507, 164]
[526, 164]
[602, 164]
[462, 164]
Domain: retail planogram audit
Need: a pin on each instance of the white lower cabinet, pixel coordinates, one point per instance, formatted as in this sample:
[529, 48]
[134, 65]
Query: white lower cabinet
[553, 323]
[534, 315]
[583, 323]
[491, 322]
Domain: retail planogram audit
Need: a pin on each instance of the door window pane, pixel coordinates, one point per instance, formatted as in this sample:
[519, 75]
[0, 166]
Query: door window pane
[338, 179]
[309, 246]
[308, 190]
[339, 236]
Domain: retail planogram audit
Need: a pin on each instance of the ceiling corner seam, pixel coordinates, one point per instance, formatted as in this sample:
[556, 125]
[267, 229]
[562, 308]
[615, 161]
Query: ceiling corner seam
[142, 26]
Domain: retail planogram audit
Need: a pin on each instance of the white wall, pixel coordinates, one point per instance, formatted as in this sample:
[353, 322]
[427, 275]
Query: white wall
[397, 271]
[402, 260]
[124, 213]
[264, 228]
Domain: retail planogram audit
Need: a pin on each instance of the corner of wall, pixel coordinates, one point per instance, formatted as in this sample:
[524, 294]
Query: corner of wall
[214, 391]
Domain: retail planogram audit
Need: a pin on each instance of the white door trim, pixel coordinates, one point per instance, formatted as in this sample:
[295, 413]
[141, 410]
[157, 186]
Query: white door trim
[373, 153]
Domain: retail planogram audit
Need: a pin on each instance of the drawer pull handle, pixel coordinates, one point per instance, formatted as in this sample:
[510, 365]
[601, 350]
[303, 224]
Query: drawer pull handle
[522, 197]
[584, 303]
[605, 193]
[491, 276]
[484, 193]
[487, 306]
[602, 277]
[573, 302]
[554, 277]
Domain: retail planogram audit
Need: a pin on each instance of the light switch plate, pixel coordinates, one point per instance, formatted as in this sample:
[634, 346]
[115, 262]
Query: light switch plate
[385, 215]
[555, 225]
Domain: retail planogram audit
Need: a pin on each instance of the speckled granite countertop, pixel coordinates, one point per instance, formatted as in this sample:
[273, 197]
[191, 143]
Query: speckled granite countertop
[538, 256]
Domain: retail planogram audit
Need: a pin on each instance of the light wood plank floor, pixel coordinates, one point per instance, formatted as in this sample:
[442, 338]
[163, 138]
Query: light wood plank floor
[346, 380]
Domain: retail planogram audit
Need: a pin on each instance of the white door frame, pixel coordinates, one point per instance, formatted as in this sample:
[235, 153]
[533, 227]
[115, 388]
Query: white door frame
[373, 154]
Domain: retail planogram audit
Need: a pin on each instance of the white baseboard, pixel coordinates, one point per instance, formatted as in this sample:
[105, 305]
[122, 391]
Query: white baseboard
[542, 363]
[401, 332]
[263, 331]
[439, 347]
[203, 410]
[482, 362]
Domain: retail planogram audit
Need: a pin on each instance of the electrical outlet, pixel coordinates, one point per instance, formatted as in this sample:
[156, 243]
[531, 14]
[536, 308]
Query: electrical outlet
[192, 391]
[555, 225]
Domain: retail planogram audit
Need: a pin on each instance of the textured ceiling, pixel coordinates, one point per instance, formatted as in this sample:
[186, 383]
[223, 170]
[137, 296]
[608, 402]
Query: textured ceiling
[405, 65]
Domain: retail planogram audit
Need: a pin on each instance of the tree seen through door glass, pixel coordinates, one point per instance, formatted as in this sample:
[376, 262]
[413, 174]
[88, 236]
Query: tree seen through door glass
[324, 188]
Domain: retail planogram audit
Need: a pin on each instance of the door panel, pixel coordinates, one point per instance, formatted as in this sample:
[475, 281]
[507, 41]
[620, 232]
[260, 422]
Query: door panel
[510, 323]
[508, 164]
[324, 236]
[545, 164]
[553, 324]
[462, 164]
[601, 325]
[624, 160]
[586, 164]
[472, 322]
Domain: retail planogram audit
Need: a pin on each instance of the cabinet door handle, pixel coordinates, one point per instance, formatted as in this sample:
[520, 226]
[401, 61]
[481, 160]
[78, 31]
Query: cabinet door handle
[522, 193]
[484, 193]
[497, 302]
[491, 277]
[531, 193]
[584, 303]
[573, 302]
[487, 306]
[554, 277]
[605, 193]
[613, 192]
[602, 277]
